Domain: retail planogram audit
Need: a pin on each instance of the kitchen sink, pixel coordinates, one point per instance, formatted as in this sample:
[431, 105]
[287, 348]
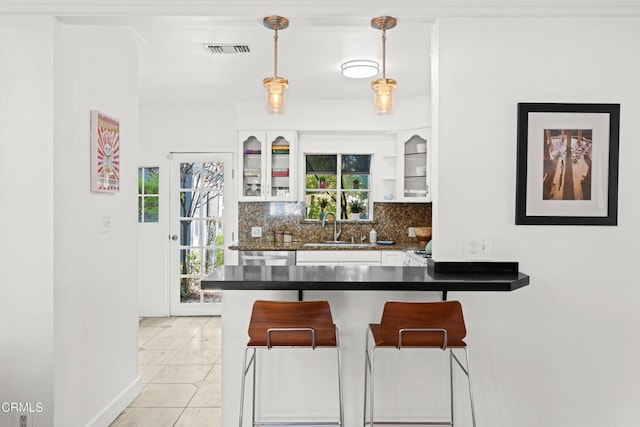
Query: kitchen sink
[339, 243]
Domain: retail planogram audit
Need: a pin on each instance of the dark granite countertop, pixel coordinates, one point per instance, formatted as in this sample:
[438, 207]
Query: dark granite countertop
[350, 278]
[261, 245]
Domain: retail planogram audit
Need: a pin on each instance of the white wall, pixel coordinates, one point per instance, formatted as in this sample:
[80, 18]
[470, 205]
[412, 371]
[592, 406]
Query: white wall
[26, 214]
[96, 272]
[563, 351]
[165, 129]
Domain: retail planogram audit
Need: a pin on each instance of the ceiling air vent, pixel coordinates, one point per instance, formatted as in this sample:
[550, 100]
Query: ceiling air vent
[227, 48]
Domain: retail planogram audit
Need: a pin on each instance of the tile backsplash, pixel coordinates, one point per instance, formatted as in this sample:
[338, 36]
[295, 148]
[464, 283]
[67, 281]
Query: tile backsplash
[391, 221]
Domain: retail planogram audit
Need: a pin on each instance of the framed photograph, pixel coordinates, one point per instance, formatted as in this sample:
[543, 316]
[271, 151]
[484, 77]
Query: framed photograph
[105, 153]
[567, 166]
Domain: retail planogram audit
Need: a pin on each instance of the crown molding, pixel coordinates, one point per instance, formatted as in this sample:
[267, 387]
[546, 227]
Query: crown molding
[407, 10]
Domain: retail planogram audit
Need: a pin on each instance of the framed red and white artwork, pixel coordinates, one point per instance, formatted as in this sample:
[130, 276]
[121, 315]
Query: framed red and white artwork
[105, 153]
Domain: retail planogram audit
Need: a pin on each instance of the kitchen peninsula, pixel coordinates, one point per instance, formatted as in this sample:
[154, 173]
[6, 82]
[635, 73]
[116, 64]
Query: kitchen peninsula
[356, 294]
[358, 278]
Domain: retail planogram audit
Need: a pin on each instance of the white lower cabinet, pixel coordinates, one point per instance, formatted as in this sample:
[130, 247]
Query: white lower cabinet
[392, 258]
[338, 258]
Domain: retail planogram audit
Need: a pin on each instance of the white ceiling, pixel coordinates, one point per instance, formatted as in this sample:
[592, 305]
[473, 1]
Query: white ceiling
[175, 66]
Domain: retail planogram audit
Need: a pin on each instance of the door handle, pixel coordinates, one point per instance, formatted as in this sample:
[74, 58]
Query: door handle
[173, 237]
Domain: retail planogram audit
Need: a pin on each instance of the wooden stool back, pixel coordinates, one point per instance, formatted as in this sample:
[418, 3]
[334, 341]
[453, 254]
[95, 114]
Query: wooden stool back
[291, 323]
[403, 324]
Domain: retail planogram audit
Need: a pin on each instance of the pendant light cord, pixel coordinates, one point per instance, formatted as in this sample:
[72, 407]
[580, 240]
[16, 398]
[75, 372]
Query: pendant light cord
[384, 53]
[275, 53]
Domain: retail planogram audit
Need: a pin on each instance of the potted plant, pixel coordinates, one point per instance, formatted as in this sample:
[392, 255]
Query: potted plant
[356, 184]
[357, 207]
[322, 203]
[322, 182]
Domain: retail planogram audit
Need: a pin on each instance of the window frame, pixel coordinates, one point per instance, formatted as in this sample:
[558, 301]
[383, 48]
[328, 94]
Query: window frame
[142, 195]
[338, 190]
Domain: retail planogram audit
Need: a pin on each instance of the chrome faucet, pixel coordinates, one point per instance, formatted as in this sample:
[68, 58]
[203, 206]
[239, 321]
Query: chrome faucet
[336, 232]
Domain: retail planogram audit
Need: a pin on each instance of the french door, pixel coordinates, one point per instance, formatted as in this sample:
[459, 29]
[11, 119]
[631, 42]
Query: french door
[201, 227]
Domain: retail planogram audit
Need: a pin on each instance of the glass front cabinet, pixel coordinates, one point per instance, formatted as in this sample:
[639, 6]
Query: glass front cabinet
[415, 160]
[266, 165]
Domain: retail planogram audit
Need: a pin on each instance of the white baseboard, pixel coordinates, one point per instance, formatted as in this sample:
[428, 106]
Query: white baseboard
[117, 405]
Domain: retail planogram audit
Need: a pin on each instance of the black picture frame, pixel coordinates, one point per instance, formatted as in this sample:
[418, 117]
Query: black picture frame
[571, 184]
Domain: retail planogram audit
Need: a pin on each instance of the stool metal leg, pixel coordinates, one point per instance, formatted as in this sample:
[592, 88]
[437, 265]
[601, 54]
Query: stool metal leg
[371, 385]
[473, 411]
[366, 375]
[340, 389]
[255, 375]
[245, 370]
[451, 383]
[467, 372]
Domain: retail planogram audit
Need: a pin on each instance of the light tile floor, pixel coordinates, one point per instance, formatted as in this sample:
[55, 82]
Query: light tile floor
[179, 360]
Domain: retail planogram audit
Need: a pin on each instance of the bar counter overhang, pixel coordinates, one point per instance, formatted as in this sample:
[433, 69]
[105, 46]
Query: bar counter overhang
[359, 278]
[478, 277]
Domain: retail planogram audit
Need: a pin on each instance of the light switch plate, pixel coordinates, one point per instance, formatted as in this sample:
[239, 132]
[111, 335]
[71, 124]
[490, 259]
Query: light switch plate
[478, 247]
[256, 231]
[412, 232]
[105, 223]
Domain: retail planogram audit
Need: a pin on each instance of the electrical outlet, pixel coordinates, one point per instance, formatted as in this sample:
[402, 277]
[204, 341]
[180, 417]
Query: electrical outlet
[256, 231]
[478, 248]
[412, 232]
[23, 420]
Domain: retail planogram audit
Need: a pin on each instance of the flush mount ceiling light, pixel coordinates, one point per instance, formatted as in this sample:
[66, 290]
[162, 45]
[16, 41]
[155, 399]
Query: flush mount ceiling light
[359, 68]
[384, 88]
[276, 86]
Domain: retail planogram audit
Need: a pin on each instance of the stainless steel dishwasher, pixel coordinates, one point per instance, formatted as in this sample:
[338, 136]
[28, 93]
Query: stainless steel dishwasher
[267, 257]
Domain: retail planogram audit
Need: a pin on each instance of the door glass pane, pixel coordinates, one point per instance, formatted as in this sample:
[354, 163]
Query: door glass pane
[201, 228]
[213, 232]
[213, 258]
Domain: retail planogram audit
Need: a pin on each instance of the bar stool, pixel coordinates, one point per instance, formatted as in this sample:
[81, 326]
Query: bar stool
[289, 324]
[425, 325]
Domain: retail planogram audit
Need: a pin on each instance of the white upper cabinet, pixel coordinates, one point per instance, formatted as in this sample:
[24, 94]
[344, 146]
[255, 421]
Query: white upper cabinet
[415, 165]
[266, 165]
[405, 173]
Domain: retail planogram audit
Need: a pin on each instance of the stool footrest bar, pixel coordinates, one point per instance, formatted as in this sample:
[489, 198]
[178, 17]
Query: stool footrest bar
[411, 423]
[296, 423]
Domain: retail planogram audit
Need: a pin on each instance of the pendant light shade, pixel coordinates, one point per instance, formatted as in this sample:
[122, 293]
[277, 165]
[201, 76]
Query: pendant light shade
[383, 91]
[276, 94]
[276, 86]
[384, 88]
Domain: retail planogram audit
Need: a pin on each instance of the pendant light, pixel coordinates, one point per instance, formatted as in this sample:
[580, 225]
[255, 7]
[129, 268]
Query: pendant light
[383, 88]
[276, 86]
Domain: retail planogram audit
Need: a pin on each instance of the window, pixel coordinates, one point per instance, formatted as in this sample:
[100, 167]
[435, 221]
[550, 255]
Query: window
[148, 197]
[344, 190]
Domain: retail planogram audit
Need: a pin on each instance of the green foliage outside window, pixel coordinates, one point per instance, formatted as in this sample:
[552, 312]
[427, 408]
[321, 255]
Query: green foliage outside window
[148, 194]
[329, 189]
